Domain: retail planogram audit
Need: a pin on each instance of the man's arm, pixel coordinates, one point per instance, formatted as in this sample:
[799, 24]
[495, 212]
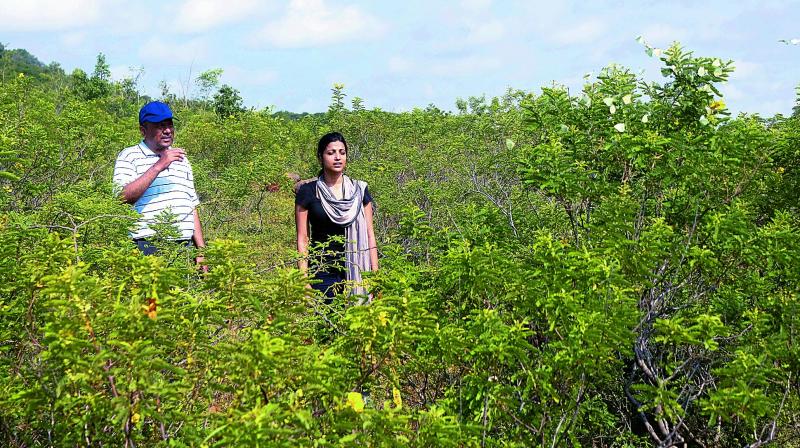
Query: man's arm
[134, 190]
[199, 242]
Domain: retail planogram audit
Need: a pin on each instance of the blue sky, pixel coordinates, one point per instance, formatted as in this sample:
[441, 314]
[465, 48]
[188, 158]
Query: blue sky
[400, 55]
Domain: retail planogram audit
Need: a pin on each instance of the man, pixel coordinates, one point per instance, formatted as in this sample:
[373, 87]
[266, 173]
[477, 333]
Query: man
[156, 177]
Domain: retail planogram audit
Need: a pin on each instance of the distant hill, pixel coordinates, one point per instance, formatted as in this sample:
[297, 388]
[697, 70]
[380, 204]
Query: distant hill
[296, 116]
[13, 62]
[16, 61]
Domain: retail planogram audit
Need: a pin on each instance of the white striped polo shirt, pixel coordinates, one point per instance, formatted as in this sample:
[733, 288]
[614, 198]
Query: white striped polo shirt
[172, 189]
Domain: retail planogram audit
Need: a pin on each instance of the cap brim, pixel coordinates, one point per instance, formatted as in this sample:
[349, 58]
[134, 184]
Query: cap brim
[157, 119]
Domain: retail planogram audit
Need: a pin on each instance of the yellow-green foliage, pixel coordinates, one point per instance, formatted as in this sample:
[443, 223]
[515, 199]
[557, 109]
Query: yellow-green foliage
[617, 268]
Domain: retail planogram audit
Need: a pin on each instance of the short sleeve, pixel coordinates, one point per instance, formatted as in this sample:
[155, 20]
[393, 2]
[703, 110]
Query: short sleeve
[305, 195]
[193, 194]
[124, 172]
[367, 197]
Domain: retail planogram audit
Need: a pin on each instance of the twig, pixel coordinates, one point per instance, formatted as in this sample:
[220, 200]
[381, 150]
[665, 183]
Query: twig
[484, 418]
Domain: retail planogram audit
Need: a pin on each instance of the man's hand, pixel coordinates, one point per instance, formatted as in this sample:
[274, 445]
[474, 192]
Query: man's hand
[134, 190]
[200, 260]
[168, 156]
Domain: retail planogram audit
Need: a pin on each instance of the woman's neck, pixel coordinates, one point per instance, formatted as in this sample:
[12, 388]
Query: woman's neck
[335, 182]
[332, 179]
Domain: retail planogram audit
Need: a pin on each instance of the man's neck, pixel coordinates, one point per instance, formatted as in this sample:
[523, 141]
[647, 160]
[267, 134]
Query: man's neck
[153, 147]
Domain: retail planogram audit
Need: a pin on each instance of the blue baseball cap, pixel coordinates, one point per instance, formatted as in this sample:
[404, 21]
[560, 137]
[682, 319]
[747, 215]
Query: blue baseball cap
[154, 112]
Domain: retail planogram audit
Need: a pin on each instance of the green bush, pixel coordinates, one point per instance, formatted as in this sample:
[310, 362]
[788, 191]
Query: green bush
[617, 268]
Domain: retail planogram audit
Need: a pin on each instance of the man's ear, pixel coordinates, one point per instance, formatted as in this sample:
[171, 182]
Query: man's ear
[142, 129]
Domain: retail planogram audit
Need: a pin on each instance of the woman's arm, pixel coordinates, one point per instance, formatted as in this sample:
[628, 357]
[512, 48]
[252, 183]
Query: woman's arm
[301, 222]
[373, 247]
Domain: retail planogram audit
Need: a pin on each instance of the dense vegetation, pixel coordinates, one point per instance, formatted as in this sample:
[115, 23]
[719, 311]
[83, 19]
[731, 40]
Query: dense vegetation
[613, 268]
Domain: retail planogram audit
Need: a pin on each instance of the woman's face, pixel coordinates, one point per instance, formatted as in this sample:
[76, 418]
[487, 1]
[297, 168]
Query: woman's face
[334, 158]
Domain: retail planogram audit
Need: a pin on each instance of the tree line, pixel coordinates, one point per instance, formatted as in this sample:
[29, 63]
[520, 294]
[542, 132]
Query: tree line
[613, 267]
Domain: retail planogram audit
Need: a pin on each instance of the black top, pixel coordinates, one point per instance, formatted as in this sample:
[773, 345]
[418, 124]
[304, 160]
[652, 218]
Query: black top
[321, 226]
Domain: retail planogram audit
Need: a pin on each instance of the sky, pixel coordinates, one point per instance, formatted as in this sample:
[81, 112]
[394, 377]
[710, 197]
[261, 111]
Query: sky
[400, 55]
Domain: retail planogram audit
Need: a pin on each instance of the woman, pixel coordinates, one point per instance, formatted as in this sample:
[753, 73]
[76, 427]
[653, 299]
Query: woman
[334, 205]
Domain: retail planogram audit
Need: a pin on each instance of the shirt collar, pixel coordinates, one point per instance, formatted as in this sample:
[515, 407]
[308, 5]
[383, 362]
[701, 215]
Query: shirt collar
[146, 149]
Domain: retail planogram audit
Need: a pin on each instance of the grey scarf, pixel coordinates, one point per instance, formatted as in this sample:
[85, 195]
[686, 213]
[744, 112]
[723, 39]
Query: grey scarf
[349, 213]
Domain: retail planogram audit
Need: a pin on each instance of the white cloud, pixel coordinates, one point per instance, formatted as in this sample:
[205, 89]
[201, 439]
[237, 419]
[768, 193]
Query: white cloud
[241, 76]
[745, 69]
[311, 23]
[177, 87]
[662, 34]
[764, 96]
[311, 104]
[573, 83]
[74, 39]
[486, 32]
[428, 90]
[464, 66]
[156, 52]
[543, 18]
[472, 23]
[400, 64]
[732, 92]
[476, 5]
[120, 72]
[584, 32]
[201, 15]
[445, 67]
[48, 15]
[782, 106]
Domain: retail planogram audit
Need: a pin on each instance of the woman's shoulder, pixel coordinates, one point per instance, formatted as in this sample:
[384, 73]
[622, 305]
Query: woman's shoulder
[305, 185]
[305, 192]
[359, 182]
[366, 194]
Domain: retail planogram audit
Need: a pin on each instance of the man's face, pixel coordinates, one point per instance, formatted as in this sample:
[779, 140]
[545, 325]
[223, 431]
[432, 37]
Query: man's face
[158, 136]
